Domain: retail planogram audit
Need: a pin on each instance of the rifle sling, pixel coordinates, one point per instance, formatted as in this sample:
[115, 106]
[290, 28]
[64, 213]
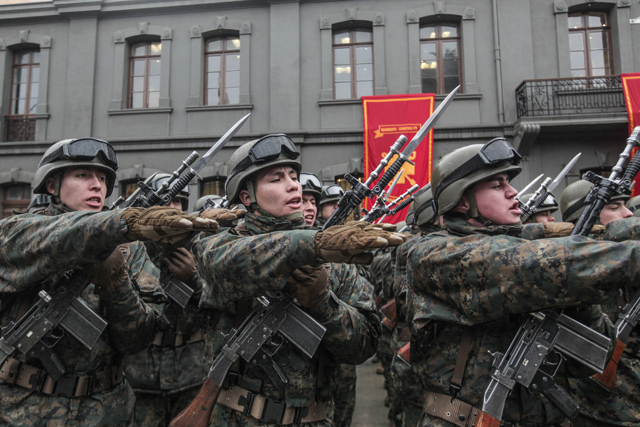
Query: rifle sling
[461, 362]
[14, 372]
[270, 410]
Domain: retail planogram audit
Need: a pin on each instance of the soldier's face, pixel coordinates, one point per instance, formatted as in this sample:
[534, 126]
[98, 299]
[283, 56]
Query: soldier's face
[496, 201]
[614, 211]
[175, 203]
[328, 209]
[278, 191]
[82, 188]
[543, 217]
[309, 208]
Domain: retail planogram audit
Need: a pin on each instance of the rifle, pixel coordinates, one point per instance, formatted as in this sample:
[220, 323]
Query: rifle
[605, 188]
[381, 202]
[359, 191]
[599, 195]
[531, 206]
[61, 306]
[256, 341]
[404, 354]
[540, 336]
[33, 335]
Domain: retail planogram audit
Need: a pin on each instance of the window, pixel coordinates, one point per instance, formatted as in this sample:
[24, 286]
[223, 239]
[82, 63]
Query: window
[144, 75]
[214, 186]
[222, 77]
[590, 44]
[15, 197]
[352, 63]
[21, 123]
[128, 188]
[356, 214]
[439, 58]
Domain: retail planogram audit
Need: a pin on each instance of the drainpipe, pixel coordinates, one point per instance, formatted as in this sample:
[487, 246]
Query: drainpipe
[496, 54]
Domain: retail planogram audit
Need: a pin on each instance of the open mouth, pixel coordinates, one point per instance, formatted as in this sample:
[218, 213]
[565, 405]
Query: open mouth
[94, 201]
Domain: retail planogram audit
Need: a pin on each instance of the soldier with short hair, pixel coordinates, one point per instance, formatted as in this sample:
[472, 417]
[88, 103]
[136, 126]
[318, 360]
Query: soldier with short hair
[73, 234]
[273, 252]
[471, 282]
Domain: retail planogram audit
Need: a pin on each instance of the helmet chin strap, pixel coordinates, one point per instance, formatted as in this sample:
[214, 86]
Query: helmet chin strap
[295, 217]
[473, 208]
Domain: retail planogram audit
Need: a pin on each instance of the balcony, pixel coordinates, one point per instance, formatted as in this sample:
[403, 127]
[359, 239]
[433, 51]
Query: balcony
[570, 96]
[20, 128]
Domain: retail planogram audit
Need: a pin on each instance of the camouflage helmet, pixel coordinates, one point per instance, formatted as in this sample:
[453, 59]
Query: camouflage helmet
[183, 195]
[462, 168]
[548, 204]
[573, 197]
[424, 209]
[311, 184]
[332, 193]
[254, 156]
[634, 205]
[73, 153]
[203, 200]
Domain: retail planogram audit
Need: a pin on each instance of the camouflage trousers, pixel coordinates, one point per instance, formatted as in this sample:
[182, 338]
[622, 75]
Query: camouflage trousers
[157, 410]
[409, 396]
[345, 395]
[24, 408]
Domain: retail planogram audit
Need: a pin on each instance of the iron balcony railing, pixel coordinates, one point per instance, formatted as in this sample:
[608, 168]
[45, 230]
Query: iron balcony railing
[20, 128]
[557, 97]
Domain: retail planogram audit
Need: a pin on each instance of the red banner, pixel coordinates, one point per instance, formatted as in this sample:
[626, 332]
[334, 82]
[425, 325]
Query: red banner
[386, 117]
[631, 90]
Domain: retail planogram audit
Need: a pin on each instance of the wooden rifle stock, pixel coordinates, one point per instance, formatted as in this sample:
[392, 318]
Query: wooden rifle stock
[607, 378]
[405, 353]
[486, 420]
[198, 413]
[389, 311]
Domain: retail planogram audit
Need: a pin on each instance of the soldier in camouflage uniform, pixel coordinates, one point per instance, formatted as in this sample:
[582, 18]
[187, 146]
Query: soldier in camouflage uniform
[271, 251]
[167, 375]
[544, 212]
[328, 202]
[621, 405]
[72, 233]
[345, 392]
[470, 283]
[422, 221]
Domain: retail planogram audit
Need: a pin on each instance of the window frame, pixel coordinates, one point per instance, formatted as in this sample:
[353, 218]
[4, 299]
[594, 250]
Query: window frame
[148, 57]
[223, 54]
[438, 41]
[352, 46]
[30, 67]
[9, 205]
[586, 30]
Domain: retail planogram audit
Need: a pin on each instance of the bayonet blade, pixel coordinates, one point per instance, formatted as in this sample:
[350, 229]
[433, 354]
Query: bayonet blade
[562, 173]
[524, 190]
[219, 144]
[431, 121]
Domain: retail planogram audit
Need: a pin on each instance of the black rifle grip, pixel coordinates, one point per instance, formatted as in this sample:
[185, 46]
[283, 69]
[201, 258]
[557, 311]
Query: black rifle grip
[388, 175]
[562, 400]
[401, 206]
[632, 169]
[178, 186]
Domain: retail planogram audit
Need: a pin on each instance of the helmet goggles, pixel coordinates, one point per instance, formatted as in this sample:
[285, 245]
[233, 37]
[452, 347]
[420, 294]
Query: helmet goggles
[267, 149]
[84, 149]
[332, 191]
[495, 152]
[310, 182]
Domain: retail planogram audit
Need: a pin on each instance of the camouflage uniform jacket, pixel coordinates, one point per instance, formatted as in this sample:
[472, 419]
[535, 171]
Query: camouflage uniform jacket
[166, 369]
[479, 278]
[621, 406]
[36, 250]
[258, 262]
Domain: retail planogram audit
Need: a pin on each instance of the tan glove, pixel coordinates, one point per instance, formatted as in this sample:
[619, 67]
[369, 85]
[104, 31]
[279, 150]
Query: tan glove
[557, 229]
[348, 243]
[111, 273]
[181, 263]
[164, 225]
[310, 285]
[224, 217]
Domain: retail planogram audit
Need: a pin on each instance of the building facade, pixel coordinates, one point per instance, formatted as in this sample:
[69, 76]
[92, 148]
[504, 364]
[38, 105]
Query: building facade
[160, 79]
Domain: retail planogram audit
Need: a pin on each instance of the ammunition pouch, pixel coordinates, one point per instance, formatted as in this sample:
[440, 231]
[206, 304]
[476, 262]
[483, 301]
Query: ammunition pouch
[20, 374]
